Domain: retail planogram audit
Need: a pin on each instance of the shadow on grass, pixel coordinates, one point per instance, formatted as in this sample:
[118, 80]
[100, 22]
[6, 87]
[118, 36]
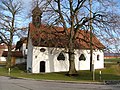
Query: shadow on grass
[109, 73]
[88, 76]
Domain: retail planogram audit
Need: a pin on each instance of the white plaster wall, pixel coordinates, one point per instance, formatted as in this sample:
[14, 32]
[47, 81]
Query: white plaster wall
[24, 50]
[29, 55]
[2, 58]
[60, 65]
[20, 60]
[82, 65]
[38, 57]
[98, 64]
[50, 58]
[85, 65]
[53, 65]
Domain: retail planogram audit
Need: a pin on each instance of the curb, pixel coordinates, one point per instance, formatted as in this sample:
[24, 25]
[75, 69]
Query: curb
[59, 81]
[74, 82]
[112, 82]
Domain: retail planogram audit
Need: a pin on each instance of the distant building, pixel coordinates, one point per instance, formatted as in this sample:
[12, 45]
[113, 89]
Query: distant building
[19, 54]
[3, 48]
[111, 55]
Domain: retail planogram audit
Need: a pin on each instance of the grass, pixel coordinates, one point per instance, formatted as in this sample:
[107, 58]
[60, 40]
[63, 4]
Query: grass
[113, 60]
[110, 72]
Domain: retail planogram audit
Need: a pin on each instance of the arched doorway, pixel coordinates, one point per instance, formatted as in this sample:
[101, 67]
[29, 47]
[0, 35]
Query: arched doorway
[42, 66]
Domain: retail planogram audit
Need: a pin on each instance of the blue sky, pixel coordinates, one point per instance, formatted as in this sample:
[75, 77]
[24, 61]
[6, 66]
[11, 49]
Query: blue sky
[27, 6]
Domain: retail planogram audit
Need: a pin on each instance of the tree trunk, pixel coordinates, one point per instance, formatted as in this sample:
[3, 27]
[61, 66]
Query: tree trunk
[72, 69]
[8, 65]
[10, 49]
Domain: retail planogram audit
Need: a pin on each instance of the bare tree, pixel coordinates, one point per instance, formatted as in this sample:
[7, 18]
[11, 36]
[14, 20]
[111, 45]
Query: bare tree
[9, 13]
[68, 14]
[108, 29]
[75, 15]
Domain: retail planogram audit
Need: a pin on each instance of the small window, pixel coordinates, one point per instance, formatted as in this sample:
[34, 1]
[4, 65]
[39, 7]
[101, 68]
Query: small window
[35, 56]
[82, 57]
[42, 49]
[98, 57]
[61, 56]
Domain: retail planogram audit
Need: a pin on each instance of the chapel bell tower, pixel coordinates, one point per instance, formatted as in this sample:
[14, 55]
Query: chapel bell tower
[36, 16]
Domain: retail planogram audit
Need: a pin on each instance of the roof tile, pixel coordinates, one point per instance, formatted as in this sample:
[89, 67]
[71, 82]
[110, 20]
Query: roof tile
[49, 36]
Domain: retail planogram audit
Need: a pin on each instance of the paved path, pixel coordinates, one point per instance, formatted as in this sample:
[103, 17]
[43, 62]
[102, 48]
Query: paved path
[7, 83]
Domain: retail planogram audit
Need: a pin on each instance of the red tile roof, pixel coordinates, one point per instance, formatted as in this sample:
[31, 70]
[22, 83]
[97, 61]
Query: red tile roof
[14, 54]
[55, 37]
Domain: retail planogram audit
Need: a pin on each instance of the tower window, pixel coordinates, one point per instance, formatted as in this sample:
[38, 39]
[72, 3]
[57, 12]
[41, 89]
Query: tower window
[37, 19]
[61, 56]
[82, 57]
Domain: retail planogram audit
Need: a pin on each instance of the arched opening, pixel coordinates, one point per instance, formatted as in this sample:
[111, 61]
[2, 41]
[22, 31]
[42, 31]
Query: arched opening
[61, 57]
[82, 57]
[42, 66]
[98, 57]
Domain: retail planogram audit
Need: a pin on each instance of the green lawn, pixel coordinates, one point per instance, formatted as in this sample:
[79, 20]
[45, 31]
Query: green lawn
[113, 60]
[110, 72]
